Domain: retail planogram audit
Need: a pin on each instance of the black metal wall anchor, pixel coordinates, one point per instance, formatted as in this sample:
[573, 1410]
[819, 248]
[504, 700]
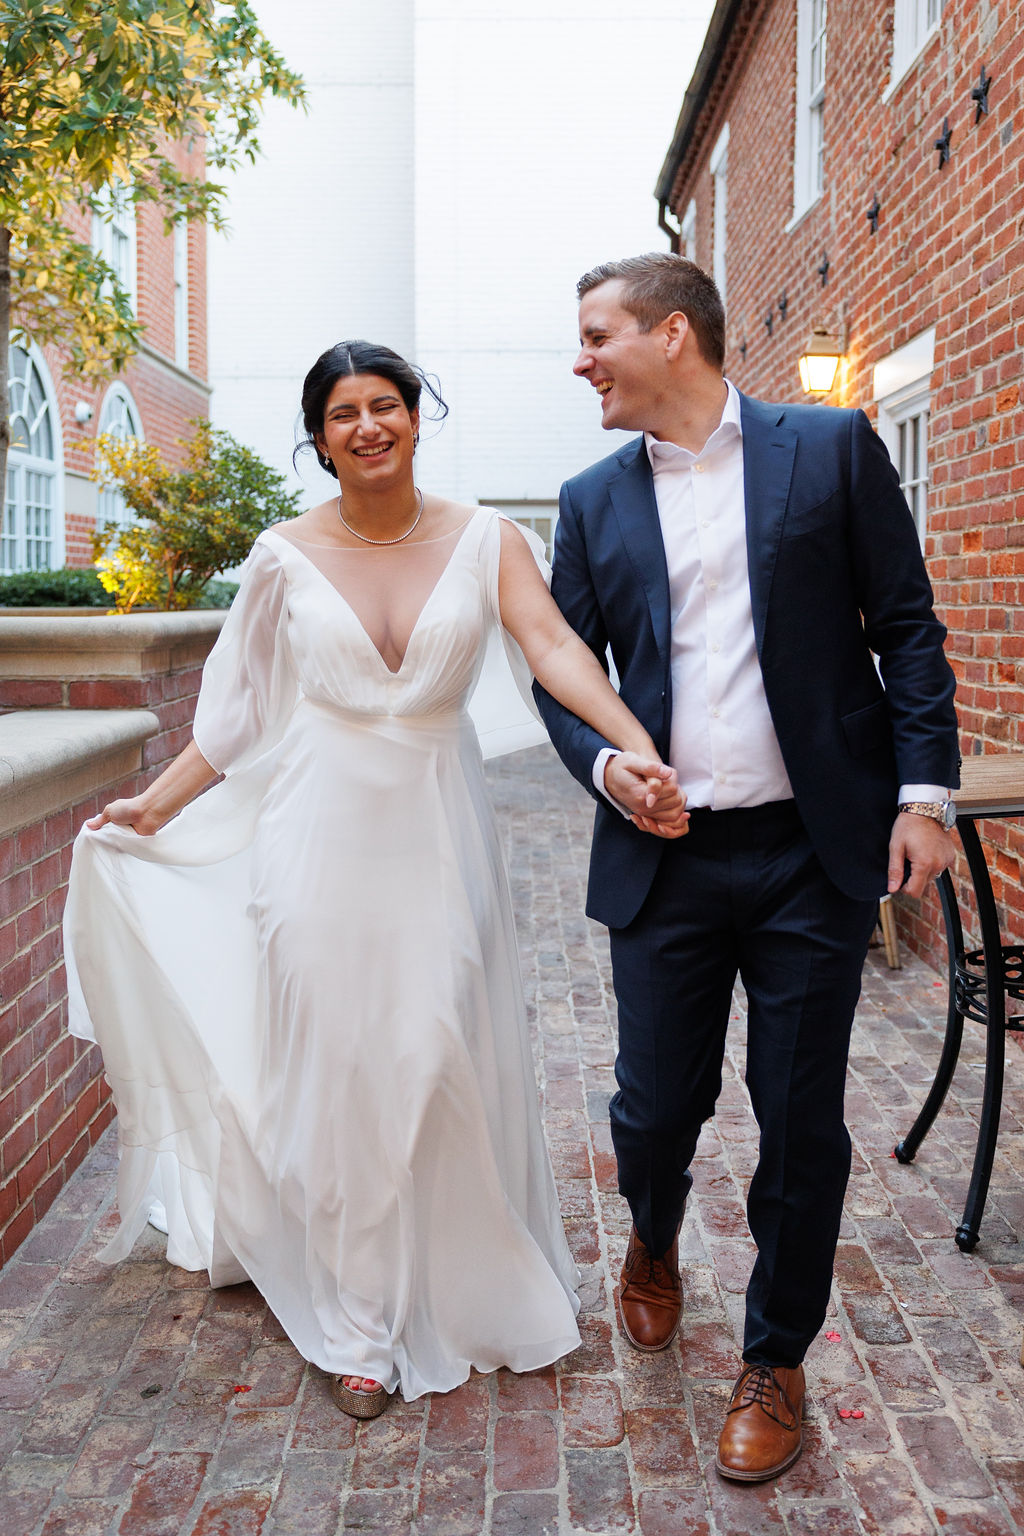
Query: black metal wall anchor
[783, 305]
[743, 349]
[769, 321]
[942, 142]
[872, 214]
[979, 96]
[822, 268]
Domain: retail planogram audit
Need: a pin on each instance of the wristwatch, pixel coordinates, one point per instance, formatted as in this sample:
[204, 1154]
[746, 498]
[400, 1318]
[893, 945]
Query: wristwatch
[942, 811]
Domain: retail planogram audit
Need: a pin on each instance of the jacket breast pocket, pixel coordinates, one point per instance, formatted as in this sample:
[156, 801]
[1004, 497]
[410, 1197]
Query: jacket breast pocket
[806, 519]
[867, 730]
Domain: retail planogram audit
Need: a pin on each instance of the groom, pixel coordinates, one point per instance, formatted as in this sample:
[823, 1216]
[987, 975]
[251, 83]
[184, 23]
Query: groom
[743, 561]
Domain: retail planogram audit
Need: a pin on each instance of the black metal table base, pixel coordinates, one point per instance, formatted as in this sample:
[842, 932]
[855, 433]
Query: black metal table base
[980, 981]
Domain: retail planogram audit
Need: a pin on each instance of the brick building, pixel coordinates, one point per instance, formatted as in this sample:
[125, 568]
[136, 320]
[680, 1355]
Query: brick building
[859, 164]
[52, 506]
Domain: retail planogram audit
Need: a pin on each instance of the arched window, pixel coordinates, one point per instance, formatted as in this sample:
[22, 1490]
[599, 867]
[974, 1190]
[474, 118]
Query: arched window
[119, 418]
[31, 533]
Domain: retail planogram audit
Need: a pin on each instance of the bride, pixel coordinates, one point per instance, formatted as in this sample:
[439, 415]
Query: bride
[305, 983]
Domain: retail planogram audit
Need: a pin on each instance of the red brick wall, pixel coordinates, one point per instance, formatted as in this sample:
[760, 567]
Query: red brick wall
[947, 254]
[53, 1102]
[171, 696]
[167, 397]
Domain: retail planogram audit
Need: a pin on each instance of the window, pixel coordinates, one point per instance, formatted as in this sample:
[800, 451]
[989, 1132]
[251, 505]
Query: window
[914, 24]
[181, 294]
[113, 235]
[30, 537]
[688, 232]
[119, 418]
[541, 516]
[719, 166]
[902, 387]
[809, 135]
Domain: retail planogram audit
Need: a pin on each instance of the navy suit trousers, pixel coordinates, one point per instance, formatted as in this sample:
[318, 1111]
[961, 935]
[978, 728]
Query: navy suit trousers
[743, 894]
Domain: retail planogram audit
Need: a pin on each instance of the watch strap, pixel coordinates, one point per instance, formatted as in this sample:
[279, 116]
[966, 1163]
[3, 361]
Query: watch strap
[938, 810]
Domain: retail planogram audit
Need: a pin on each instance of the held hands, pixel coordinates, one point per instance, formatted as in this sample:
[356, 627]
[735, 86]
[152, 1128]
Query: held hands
[649, 791]
[924, 845]
[128, 813]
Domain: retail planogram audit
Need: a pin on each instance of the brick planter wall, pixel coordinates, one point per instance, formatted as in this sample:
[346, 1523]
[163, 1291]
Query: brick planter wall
[111, 701]
[136, 661]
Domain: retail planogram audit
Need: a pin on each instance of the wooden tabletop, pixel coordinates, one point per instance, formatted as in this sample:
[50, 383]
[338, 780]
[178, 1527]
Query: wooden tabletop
[991, 786]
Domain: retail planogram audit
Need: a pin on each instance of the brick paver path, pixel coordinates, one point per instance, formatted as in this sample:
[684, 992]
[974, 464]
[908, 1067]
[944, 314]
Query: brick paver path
[120, 1408]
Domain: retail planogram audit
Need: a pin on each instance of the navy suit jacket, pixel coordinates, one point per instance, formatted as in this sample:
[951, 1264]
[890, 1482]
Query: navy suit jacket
[836, 573]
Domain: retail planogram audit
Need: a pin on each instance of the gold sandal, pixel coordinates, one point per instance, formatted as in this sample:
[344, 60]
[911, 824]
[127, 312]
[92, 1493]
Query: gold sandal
[359, 1405]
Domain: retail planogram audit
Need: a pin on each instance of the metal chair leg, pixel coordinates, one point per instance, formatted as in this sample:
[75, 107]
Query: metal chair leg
[906, 1149]
[995, 1010]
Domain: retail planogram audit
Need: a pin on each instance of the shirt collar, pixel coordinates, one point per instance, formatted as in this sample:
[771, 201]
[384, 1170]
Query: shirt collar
[661, 454]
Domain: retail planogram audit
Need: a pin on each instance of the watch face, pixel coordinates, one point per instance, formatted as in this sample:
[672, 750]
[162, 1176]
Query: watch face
[949, 818]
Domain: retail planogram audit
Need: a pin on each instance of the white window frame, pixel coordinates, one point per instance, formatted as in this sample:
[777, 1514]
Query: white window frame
[119, 416]
[718, 165]
[902, 390]
[181, 293]
[808, 127]
[22, 546]
[914, 24]
[688, 232]
[114, 238]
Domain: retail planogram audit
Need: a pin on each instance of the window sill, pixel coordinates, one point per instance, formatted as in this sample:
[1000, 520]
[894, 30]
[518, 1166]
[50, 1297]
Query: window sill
[900, 71]
[799, 214]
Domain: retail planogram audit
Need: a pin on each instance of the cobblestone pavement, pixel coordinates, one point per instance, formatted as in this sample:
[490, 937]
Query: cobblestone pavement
[135, 1400]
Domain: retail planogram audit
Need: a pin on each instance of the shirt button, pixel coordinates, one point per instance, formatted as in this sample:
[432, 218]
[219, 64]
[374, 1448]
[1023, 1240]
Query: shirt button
[698, 469]
[716, 713]
[716, 646]
[719, 778]
[705, 523]
[712, 584]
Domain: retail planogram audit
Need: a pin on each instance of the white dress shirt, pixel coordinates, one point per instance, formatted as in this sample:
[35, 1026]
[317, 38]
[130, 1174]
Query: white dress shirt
[723, 744]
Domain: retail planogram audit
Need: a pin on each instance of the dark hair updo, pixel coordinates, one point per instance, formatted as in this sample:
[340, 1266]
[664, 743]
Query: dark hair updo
[350, 357]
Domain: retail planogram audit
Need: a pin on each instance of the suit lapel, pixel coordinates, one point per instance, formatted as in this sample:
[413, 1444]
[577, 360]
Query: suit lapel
[632, 497]
[768, 453]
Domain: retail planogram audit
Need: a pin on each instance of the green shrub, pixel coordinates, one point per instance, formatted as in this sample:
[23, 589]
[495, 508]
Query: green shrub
[217, 594]
[191, 523]
[68, 588]
[80, 587]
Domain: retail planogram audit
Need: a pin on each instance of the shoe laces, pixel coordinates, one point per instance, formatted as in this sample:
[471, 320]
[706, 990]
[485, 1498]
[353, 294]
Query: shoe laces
[642, 1268]
[759, 1387]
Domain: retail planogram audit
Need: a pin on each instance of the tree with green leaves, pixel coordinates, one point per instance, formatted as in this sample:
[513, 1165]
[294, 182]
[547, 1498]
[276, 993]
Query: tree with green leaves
[93, 95]
[191, 523]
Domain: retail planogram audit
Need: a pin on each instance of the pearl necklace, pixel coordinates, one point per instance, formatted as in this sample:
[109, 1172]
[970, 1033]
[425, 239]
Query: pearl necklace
[401, 536]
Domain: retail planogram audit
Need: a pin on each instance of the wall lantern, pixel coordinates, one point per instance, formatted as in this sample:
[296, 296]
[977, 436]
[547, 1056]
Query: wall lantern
[819, 361]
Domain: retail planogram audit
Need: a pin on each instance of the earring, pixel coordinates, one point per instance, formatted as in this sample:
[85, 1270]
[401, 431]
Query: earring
[415, 441]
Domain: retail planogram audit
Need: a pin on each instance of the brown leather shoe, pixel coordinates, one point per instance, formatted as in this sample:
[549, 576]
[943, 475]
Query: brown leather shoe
[650, 1296]
[762, 1435]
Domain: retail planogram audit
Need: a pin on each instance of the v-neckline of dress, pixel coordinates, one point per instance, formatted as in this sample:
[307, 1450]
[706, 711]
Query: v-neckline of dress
[391, 671]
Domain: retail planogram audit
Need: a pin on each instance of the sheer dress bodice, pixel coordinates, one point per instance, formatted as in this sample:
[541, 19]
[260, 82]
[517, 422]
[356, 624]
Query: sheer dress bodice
[387, 589]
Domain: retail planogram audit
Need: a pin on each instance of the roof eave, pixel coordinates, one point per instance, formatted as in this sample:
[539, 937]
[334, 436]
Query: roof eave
[723, 20]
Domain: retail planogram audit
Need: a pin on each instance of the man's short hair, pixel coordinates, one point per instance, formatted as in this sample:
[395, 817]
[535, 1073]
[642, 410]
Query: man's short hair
[659, 284]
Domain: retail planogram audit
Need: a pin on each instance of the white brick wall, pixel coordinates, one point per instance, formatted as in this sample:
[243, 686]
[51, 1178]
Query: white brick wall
[320, 246]
[461, 165]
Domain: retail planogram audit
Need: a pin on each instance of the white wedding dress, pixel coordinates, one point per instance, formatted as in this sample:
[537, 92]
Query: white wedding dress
[306, 987]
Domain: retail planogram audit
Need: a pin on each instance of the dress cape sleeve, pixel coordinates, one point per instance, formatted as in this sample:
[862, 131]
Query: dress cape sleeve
[250, 686]
[501, 706]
